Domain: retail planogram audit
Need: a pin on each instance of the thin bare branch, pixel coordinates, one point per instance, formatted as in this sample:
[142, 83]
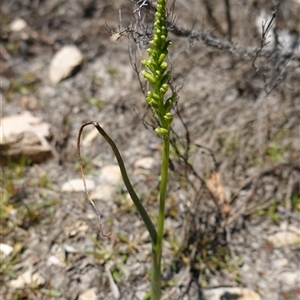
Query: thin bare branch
[222, 45]
[229, 20]
[266, 27]
[213, 21]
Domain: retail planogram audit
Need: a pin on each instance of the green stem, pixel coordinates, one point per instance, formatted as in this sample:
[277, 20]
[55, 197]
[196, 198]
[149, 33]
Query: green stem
[157, 248]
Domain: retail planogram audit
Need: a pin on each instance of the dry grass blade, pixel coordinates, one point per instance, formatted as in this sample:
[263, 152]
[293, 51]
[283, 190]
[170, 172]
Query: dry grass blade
[84, 181]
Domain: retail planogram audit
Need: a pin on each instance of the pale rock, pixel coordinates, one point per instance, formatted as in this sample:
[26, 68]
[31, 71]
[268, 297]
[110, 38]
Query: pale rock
[47, 92]
[104, 192]
[140, 295]
[58, 252]
[76, 185]
[284, 238]
[284, 226]
[30, 102]
[17, 25]
[145, 163]
[5, 250]
[24, 135]
[89, 295]
[14, 213]
[214, 281]
[90, 215]
[111, 174]
[228, 293]
[81, 225]
[27, 278]
[295, 229]
[279, 264]
[69, 249]
[290, 279]
[16, 124]
[74, 229]
[54, 261]
[64, 62]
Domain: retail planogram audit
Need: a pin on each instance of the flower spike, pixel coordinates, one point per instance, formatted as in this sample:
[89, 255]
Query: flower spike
[156, 70]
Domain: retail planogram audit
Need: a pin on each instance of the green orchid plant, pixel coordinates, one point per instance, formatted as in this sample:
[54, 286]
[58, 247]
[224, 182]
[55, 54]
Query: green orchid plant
[157, 74]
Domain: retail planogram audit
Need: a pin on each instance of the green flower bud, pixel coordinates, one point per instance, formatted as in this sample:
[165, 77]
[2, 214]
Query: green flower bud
[161, 58]
[153, 104]
[152, 67]
[149, 97]
[150, 51]
[168, 117]
[155, 97]
[164, 65]
[164, 88]
[161, 131]
[149, 77]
